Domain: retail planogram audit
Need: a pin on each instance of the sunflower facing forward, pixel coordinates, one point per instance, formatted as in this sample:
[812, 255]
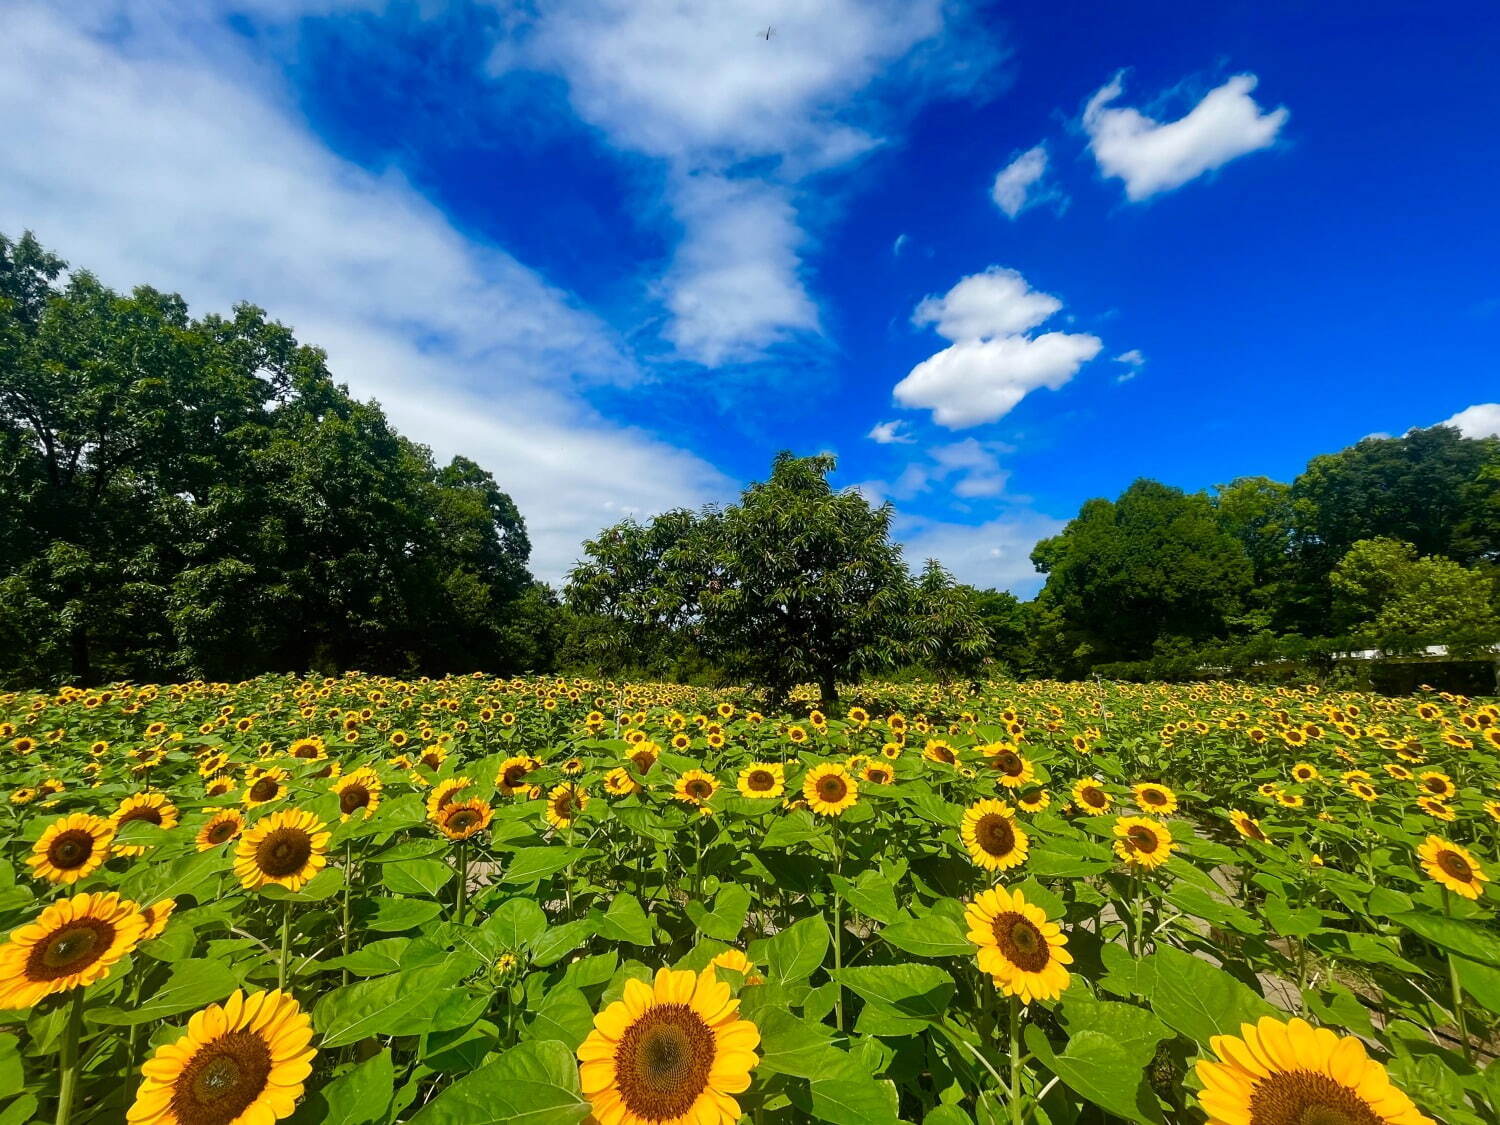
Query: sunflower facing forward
[287, 848]
[669, 1053]
[1452, 867]
[1018, 947]
[240, 1062]
[72, 847]
[762, 780]
[358, 792]
[458, 820]
[223, 825]
[1142, 842]
[695, 787]
[994, 840]
[1155, 799]
[1292, 1072]
[1091, 797]
[565, 804]
[829, 789]
[72, 943]
[149, 808]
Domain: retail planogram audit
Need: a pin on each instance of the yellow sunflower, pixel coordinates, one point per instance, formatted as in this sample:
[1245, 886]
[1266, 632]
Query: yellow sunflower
[1284, 1072]
[1452, 867]
[1018, 946]
[1034, 799]
[72, 944]
[71, 847]
[242, 1062]
[1436, 809]
[264, 786]
[565, 804]
[358, 791]
[1436, 784]
[286, 848]
[308, 749]
[444, 792]
[1363, 790]
[940, 752]
[1155, 799]
[1014, 768]
[762, 780]
[695, 787]
[994, 840]
[1142, 842]
[1305, 772]
[510, 778]
[669, 1053]
[1091, 797]
[458, 820]
[1247, 826]
[829, 789]
[152, 808]
[736, 961]
[222, 825]
[619, 783]
[157, 915]
[877, 773]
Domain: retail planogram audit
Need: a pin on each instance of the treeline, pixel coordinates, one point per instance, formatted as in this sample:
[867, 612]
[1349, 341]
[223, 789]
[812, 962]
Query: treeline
[188, 497]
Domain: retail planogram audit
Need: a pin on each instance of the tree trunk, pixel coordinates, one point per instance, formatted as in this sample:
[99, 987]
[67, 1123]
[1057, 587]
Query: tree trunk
[83, 669]
[828, 689]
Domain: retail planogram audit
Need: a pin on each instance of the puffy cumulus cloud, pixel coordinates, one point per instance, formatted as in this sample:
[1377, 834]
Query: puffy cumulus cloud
[153, 156]
[745, 120]
[991, 364]
[997, 302]
[1152, 156]
[994, 554]
[1478, 421]
[1021, 184]
[890, 433]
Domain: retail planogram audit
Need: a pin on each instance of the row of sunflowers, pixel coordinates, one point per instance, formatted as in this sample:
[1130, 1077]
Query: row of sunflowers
[363, 900]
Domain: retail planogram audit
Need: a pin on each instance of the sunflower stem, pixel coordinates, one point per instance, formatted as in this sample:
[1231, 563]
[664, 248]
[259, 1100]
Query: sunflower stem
[1017, 1061]
[838, 933]
[462, 894]
[286, 945]
[67, 1092]
[1458, 991]
[344, 922]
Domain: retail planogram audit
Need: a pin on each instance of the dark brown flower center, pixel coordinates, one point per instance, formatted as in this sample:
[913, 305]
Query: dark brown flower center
[1153, 797]
[761, 780]
[265, 789]
[1142, 839]
[432, 760]
[1021, 943]
[284, 852]
[144, 812]
[663, 1062]
[513, 776]
[1436, 785]
[1455, 866]
[1302, 1097]
[562, 806]
[1010, 763]
[71, 849]
[69, 949]
[352, 798]
[1251, 829]
[699, 789]
[1091, 796]
[305, 751]
[832, 789]
[463, 820]
[222, 1079]
[995, 834]
[221, 830]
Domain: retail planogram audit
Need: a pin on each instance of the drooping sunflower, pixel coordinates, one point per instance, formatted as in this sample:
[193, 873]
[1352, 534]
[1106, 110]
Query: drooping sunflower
[669, 1053]
[287, 848]
[458, 820]
[1142, 842]
[222, 825]
[240, 1063]
[510, 778]
[1033, 799]
[1436, 809]
[762, 780]
[72, 944]
[618, 782]
[1277, 1073]
[1153, 798]
[157, 916]
[444, 793]
[71, 848]
[993, 838]
[358, 791]
[695, 787]
[1247, 826]
[1091, 797]
[829, 789]
[1452, 866]
[1018, 946]
[565, 804]
[877, 773]
[152, 808]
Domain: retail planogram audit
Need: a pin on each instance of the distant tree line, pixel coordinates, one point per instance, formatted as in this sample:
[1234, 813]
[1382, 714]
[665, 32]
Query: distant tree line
[188, 497]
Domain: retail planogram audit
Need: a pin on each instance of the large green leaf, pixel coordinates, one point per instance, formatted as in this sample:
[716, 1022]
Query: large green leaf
[941, 933]
[363, 1095]
[515, 923]
[796, 952]
[1468, 939]
[920, 991]
[625, 920]
[531, 864]
[727, 918]
[1095, 1067]
[416, 876]
[531, 1084]
[192, 985]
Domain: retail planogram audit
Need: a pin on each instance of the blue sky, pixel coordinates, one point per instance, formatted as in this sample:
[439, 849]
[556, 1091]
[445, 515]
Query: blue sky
[1000, 258]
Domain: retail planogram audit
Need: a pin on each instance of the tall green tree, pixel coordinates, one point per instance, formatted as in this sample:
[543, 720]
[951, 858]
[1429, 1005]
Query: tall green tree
[1400, 602]
[949, 634]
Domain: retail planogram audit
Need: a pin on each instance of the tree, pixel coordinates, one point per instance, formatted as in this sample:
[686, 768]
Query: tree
[949, 636]
[1258, 513]
[1013, 627]
[797, 582]
[1403, 602]
[1153, 564]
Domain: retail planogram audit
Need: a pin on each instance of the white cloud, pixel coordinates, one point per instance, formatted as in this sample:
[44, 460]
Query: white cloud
[973, 467]
[138, 156]
[995, 554]
[997, 302]
[889, 433]
[1478, 421]
[698, 86]
[1134, 361]
[1019, 185]
[898, 245]
[991, 365]
[1151, 156]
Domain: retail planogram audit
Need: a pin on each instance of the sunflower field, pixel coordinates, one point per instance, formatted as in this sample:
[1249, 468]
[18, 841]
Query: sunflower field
[366, 900]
